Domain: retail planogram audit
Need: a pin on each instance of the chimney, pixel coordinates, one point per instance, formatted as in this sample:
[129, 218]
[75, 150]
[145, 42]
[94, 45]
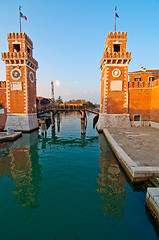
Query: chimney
[143, 69]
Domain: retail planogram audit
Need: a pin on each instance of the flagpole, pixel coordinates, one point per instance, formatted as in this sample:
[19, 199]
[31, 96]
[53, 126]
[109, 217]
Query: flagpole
[20, 18]
[115, 19]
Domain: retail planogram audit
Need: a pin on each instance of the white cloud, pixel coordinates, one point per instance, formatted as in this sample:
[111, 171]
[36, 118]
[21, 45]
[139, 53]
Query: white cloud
[57, 83]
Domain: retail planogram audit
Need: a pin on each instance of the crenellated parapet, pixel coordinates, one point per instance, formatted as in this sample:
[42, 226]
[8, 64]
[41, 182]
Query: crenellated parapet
[20, 51]
[117, 55]
[115, 58]
[19, 58]
[19, 42]
[12, 55]
[115, 50]
[122, 35]
[140, 85]
[18, 36]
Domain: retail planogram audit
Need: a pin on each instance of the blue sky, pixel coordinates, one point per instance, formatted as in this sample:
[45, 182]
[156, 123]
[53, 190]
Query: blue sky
[69, 37]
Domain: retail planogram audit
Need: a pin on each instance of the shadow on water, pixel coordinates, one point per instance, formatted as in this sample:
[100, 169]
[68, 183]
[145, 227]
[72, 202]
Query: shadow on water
[153, 221]
[20, 162]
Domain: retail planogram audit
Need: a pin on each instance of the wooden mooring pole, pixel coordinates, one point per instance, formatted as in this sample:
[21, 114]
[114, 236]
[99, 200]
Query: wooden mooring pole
[52, 120]
[83, 122]
[43, 126]
[83, 127]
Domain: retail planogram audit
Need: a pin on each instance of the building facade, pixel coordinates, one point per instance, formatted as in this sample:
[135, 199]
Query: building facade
[114, 82]
[20, 83]
[3, 105]
[126, 98]
[144, 97]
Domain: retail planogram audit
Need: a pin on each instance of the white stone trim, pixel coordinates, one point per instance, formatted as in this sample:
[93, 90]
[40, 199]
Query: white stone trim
[144, 87]
[31, 73]
[16, 42]
[31, 68]
[22, 122]
[26, 89]
[154, 124]
[119, 72]
[26, 65]
[114, 39]
[9, 64]
[121, 65]
[21, 114]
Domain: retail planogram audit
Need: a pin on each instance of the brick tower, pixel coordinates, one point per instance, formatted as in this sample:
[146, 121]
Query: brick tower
[114, 82]
[20, 83]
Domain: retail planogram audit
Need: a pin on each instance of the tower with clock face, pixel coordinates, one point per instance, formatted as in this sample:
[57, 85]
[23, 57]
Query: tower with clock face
[114, 82]
[20, 83]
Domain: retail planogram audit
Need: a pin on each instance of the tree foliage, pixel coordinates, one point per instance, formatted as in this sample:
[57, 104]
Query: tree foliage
[59, 100]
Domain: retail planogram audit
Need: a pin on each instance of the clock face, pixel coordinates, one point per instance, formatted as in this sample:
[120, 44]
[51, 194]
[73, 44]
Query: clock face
[31, 77]
[16, 74]
[116, 72]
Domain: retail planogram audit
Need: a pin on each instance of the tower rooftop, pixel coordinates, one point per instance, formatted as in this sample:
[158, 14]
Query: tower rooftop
[19, 36]
[117, 35]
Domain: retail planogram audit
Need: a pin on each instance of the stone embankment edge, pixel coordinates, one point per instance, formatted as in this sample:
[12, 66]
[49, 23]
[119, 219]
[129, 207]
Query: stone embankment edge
[152, 202]
[10, 137]
[135, 172]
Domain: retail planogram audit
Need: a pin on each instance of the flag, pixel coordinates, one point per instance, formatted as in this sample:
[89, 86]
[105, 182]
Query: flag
[117, 15]
[22, 16]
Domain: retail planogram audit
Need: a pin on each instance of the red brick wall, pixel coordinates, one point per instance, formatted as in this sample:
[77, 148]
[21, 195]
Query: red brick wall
[3, 118]
[31, 92]
[102, 91]
[144, 101]
[116, 99]
[3, 102]
[155, 104]
[140, 103]
[19, 38]
[3, 93]
[16, 99]
[143, 75]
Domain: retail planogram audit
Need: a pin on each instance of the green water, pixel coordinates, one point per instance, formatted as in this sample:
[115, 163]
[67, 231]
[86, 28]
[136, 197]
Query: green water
[67, 187]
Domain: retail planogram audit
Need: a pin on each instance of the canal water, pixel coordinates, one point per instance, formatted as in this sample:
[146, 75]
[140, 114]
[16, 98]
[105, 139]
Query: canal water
[64, 186]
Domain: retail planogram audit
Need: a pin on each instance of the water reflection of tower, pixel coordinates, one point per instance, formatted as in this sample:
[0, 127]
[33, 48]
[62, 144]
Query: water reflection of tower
[22, 165]
[58, 122]
[111, 181]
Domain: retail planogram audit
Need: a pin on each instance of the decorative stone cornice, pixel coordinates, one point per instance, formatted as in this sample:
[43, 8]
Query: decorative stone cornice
[115, 58]
[12, 58]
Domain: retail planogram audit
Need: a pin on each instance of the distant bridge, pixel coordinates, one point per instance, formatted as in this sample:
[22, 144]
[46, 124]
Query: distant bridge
[67, 109]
